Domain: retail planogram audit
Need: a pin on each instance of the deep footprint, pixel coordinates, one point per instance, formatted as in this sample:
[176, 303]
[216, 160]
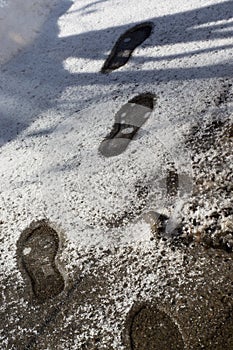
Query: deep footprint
[37, 250]
[125, 46]
[128, 121]
[153, 329]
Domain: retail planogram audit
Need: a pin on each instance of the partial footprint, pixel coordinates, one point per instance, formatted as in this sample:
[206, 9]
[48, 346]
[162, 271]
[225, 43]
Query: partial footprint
[128, 121]
[125, 46]
[153, 329]
[37, 249]
[172, 182]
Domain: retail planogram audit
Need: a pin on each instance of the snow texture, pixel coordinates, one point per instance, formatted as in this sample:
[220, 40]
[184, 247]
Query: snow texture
[56, 108]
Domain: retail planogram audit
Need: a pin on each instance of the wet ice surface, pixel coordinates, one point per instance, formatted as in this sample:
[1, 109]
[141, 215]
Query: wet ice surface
[56, 108]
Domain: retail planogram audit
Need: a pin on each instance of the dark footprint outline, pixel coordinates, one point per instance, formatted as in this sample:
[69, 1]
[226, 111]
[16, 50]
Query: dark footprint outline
[159, 316]
[124, 48]
[172, 181]
[38, 264]
[127, 124]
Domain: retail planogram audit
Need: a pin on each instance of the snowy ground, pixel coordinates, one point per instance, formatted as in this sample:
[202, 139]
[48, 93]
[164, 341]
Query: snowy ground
[56, 108]
[20, 23]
